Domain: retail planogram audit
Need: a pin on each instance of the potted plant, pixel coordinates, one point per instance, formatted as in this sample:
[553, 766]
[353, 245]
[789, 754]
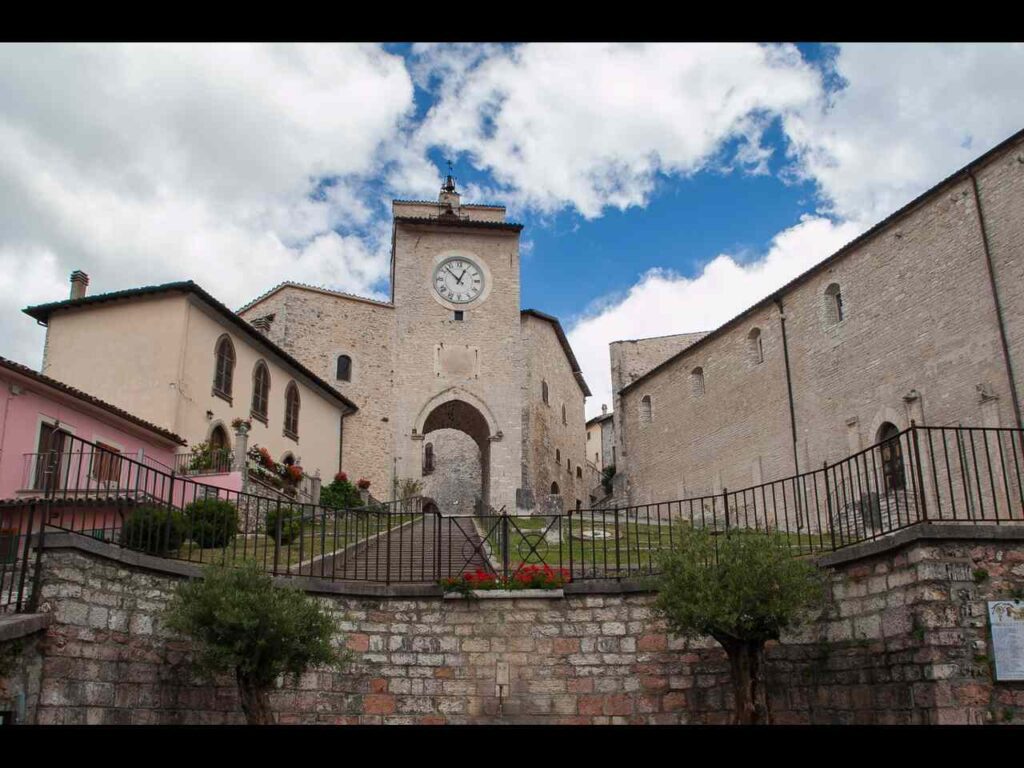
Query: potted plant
[364, 489]
[242, 426]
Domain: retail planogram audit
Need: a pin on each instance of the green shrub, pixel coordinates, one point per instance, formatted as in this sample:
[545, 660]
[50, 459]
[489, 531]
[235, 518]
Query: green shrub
[290, 522]
[213, 523]
[156, 530]
[340, 494]
[242, 624]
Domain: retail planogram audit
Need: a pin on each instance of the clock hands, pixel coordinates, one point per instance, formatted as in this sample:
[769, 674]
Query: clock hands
[458, 278]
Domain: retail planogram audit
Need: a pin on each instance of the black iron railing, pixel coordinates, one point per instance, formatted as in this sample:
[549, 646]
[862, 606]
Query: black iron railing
[939, 474]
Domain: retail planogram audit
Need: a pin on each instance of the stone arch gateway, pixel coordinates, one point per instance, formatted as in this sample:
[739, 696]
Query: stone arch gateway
[461, 486]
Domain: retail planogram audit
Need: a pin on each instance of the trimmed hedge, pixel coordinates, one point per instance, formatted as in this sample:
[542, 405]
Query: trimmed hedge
[213, 523]
[291, 524]
[155, 530]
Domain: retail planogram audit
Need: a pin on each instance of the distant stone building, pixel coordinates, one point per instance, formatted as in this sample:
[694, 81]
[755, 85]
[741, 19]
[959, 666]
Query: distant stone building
[920, 318]
[601, 440]
[457, 386]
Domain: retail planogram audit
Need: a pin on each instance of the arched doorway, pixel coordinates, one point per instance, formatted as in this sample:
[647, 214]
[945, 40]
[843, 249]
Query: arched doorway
[891, 458]
[219, 440]
[459, 457]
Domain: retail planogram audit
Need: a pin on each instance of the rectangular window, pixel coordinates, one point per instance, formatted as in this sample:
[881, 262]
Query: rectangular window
[458, 314]
[106, 463]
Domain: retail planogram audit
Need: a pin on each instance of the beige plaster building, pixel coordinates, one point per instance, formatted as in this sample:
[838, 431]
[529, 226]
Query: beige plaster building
[920, 318]
[174, 355]
[458, 386]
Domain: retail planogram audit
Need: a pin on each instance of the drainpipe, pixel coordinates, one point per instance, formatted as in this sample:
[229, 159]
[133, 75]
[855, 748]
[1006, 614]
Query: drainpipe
[789, 383]
[995, 298]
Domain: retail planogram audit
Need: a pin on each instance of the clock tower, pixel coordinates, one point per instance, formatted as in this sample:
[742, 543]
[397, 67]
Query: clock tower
[459, 359]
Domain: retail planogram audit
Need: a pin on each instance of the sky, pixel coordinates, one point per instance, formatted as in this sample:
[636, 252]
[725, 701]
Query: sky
[664, 188]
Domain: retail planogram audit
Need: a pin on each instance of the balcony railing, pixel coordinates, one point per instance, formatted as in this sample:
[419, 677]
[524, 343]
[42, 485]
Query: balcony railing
[212, 461]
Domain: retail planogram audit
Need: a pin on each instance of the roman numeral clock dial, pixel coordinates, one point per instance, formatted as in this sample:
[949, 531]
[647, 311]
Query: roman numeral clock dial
[458, 280]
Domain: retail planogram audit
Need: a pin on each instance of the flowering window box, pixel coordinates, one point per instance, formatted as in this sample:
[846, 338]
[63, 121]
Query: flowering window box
[506, 594]
[528, 581]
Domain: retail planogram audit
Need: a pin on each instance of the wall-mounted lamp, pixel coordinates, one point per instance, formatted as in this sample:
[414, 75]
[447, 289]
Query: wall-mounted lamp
[209, 415]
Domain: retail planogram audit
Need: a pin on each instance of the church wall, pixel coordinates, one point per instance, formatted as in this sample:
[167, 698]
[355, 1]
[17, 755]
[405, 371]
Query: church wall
[546, 361]
[316, 328]
[488, 337]
[1001, 187]
[918, 315]
[696, 444]
[629, 360]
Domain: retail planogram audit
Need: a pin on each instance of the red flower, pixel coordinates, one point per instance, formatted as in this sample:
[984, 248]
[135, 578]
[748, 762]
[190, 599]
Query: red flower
[363, 483]
[341, 477]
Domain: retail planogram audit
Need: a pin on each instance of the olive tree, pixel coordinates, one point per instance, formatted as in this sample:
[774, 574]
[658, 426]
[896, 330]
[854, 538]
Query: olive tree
[742, 588]
[242, 624]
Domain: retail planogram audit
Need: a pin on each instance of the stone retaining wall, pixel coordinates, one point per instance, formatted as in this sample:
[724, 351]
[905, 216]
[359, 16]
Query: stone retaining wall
[905, 641]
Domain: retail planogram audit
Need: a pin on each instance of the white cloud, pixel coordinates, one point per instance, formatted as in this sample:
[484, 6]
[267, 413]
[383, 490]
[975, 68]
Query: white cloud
[663, 303]
[590, 126]
[905, 117]
[909, 116]
[146, 163]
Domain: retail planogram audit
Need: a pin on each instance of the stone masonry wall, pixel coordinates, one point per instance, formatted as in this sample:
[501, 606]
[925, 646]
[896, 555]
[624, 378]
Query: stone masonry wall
[919, 339]
[905, 641]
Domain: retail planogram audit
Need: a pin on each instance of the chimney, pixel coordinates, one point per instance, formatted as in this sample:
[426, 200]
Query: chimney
[79, 282]
[604, 409]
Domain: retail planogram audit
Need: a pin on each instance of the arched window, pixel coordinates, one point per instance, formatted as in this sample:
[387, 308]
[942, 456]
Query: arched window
[260, 391]
[544, 391]
[558, 457]
[428, 458]
[224, 367]
[563, 414]
[344, 368]
[833, 304]
[579, 473]
[697, 381]
[554, 489]
[646, 415]
[291, 411]
[288, 459]
[756, 347]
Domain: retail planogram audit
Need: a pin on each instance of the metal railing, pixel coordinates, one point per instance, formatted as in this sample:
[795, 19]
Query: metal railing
[213, 461]
[939, 474]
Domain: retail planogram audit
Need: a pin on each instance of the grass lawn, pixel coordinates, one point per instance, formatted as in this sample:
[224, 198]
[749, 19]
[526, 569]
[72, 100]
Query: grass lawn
[633, 552]
[317, 539]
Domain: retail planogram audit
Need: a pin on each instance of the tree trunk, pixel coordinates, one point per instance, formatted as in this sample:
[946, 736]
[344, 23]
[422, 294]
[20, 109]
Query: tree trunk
[255, 703]
[746, 662]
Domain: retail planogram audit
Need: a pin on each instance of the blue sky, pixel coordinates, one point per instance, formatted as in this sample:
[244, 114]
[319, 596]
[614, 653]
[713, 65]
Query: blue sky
[664, 187]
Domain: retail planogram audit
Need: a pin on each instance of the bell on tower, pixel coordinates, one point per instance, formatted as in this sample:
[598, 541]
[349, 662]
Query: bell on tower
[449, 198]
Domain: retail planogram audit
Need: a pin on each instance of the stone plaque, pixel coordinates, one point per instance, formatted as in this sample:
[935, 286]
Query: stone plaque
[1007, 620]
[457, 361]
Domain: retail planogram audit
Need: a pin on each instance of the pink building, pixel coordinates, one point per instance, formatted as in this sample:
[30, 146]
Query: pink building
[40, 414]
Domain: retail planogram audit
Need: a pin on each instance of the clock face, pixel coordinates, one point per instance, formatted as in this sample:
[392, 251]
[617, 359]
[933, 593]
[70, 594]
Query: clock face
[458, 280]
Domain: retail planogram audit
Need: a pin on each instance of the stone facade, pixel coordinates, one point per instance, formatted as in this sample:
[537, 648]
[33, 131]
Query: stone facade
[905, 641]
[918, 339]
[422, 364]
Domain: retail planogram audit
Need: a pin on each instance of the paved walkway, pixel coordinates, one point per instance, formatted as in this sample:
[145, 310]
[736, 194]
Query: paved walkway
[421, 551]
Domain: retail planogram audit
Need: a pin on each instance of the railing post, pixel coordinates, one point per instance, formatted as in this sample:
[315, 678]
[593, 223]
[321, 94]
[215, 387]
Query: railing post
[828, 506]
[504, 543]
[24, 564]
[387, 524]
[917, 471]
[277, 538]
[725, 501]
[618, 557]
